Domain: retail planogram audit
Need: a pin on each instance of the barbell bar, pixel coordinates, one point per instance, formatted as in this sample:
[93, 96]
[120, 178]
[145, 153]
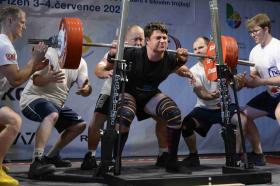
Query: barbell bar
[52, 42]
[108, 45]
[69, 41]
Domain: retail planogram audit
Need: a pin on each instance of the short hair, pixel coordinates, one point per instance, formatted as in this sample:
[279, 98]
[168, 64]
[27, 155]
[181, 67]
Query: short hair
[261, 20]
[206, 39]
[9, 11]
[130, 27]
[149, 28]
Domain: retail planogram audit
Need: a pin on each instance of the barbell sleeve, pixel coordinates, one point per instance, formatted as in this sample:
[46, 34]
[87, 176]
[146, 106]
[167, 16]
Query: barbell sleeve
[36, 41]
[245, 62]
[240, 61]
[106, 45]
[51, 42]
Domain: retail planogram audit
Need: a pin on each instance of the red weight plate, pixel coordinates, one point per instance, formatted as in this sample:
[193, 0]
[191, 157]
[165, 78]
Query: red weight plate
[230, 56]
[71, 31]
[230, 51]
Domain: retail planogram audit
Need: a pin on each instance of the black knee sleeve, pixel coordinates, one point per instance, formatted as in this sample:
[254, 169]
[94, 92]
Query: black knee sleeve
[125, 116]
[126, 113]
[169, 111]
[188, 126]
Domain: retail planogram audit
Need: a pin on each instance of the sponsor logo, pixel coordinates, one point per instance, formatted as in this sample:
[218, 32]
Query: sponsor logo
[83, 138]
[212, 70]
[12, 94]
[273, 71]
[11, 57]
[25, 138]
[274, 90]
[233, 17]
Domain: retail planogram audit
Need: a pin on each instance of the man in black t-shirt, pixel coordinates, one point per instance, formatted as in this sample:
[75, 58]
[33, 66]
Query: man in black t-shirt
[151, 65]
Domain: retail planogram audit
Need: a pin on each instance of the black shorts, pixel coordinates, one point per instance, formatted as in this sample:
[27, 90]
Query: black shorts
[38, 109]
[208, 117]
[141, 100]
[265, 102]
[102, 104]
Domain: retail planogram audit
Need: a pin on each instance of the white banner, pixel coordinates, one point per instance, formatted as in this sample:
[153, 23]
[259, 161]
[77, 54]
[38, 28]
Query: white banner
[186, 19]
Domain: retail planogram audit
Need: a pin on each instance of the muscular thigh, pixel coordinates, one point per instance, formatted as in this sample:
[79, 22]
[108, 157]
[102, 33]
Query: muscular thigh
[6, 116]
[128, 102]
[254, 112]
[165, 108]
[67, 118]
[262, 105]
[38, 109]
[151, 106]
[204, 119]
[102, 104]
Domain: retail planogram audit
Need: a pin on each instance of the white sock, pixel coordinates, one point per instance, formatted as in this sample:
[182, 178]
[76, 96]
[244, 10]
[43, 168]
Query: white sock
[93, 152]
[38, 153]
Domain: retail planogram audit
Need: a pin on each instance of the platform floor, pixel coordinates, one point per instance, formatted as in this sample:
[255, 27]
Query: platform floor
[143, 166]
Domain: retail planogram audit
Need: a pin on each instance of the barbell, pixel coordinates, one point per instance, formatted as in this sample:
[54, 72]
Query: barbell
[69, 42]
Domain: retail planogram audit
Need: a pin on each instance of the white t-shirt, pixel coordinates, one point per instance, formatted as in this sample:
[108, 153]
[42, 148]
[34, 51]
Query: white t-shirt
[201, 80]
[267, 62]
[54, 92]
[106, 88]
[8, 56]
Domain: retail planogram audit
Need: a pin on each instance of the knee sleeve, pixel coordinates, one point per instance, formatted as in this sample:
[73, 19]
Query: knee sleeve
[169, 111]
[188, 126]
[126, 113]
